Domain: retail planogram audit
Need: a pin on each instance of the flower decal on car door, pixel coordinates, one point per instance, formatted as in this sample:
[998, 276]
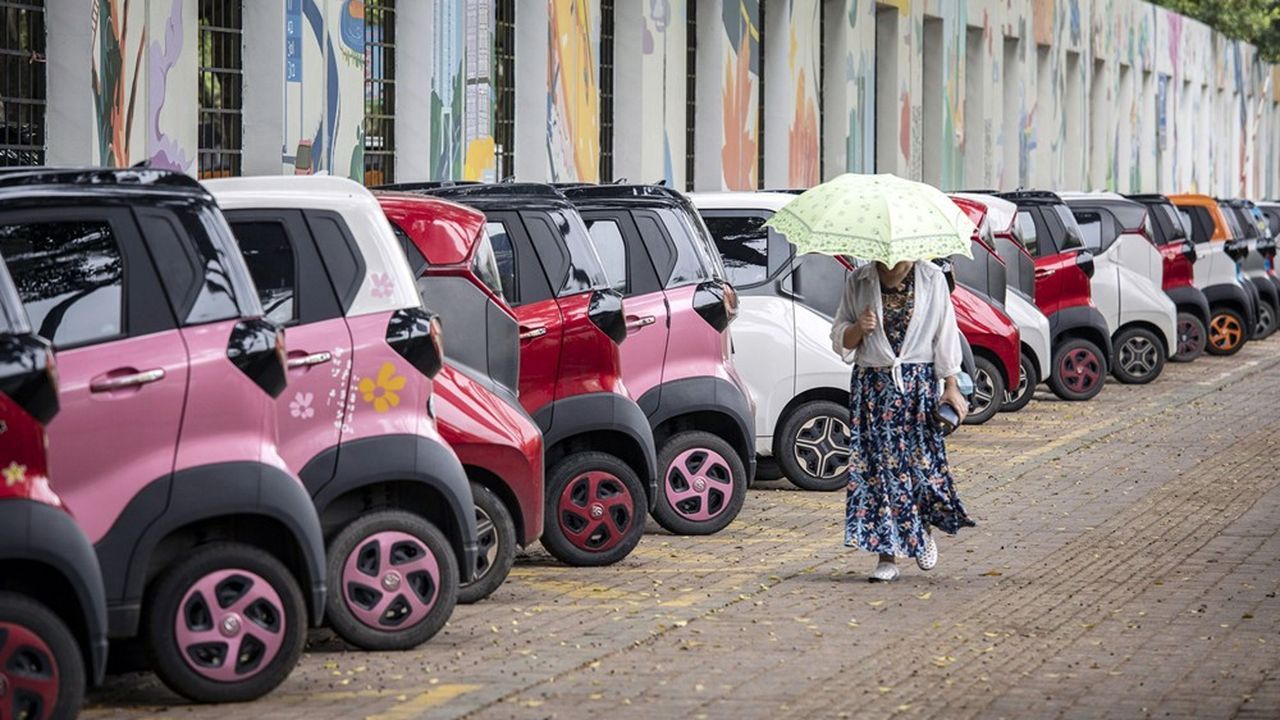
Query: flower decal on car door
[383, 392]
[300, 407]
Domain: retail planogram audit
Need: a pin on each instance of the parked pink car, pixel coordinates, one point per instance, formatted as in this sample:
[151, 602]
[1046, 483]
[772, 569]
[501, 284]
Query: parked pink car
[357, 421]
[676, 362]
[165, 448]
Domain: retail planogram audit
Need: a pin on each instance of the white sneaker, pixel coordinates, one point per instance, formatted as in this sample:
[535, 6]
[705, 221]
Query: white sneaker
[886, 571]
[929, 558]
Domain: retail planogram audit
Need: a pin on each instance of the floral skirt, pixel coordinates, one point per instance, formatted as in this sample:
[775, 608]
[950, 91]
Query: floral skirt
[899, 481]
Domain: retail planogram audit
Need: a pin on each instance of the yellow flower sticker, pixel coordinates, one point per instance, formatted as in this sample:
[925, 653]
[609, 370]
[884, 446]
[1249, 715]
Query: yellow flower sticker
[14, 474]
[383, 392]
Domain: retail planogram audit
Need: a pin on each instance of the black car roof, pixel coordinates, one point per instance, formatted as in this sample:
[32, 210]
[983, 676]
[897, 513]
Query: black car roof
[1150, 198]
[1128, 211]
[645, 195]
[35, 181]
[1031, 197]
[514, 195]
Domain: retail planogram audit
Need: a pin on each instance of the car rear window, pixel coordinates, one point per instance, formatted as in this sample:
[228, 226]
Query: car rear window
[1233, 225]
[585, 271]
[1072, 239]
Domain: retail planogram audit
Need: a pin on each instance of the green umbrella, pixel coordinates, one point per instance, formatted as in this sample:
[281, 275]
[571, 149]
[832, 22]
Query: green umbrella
[877, 218]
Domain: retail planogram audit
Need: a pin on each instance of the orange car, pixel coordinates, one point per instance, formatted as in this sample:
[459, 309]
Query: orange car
[1233, 299]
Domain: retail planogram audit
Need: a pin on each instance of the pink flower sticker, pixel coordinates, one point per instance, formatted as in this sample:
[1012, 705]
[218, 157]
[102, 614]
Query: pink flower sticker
[383, 285]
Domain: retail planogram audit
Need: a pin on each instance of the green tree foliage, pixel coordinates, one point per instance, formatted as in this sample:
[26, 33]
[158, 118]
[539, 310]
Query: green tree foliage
[1254, 21]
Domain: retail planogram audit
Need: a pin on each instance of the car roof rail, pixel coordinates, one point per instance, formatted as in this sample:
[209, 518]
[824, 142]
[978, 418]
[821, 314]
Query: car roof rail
[495, 190]
[986, 191]
[584, 191]
[1041, 196]
[90, 176]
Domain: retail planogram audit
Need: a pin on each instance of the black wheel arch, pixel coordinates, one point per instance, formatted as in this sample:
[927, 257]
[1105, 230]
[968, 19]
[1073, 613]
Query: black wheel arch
[986, 354]
[704, 403]
[247, 501]
[1192, 300]
[1084, 322]
[603, 421]
[408, 472]
[45, 555]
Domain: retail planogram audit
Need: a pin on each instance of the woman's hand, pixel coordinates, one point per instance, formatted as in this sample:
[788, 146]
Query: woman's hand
[867, 322]
[951, 396]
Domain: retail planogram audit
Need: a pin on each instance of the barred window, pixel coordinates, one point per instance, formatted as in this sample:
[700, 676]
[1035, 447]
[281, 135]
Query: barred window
[606, 91]
[22, 82]
[504, 121]
[379, 92]
[690, 89]
[221, 90]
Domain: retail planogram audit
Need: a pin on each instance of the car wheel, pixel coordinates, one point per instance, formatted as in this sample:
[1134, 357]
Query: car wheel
[1078, 370]
[225, 623]
[496, 533]
[988, 392]
[1226, 332]
[41, 669]
[1192, 337]
[1266, 320]
[767, 469]
[703, 483]
[1139, 356]
[393, 581]
[1028, 378]
[595, 509]
[813, 446]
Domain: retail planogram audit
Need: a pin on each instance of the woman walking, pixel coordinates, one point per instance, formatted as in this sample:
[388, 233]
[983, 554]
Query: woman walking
[897, 325]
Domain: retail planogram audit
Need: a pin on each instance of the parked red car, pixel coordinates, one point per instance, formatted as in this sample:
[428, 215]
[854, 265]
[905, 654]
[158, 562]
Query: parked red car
[599, 451]
[477, 406]
[1081, 339]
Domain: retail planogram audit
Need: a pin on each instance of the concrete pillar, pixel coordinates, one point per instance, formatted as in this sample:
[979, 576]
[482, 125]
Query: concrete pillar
[791, 87]
[1011, 174]
[531, 91]
[415, 42]
[977, 159]
[649, 56]
[69, 114]
[727, 132]
[264, 88]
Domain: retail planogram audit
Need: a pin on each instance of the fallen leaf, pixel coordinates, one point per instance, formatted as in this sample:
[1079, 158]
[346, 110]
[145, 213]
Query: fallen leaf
[926, 596]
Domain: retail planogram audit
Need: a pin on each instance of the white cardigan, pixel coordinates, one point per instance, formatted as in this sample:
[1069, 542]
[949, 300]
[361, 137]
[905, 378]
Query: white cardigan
[932, 334]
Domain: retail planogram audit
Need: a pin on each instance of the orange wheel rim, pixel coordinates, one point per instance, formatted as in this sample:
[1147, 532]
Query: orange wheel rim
[1225, 332]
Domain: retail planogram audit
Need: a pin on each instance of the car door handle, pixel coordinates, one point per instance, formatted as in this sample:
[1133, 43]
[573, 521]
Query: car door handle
[1044, 273]
[309, 360]
[529, 333]
[635, 322]
[120, 382]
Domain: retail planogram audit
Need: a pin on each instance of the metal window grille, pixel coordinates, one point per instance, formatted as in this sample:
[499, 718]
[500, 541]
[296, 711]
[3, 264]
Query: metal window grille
[606, 91]
[760, 105]
[504, 121]
[221, 90]
[690, 90]
[379, 91]
[22, 82]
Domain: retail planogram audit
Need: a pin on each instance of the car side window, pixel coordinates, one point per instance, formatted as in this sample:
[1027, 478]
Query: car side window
[269, 256]
[70, 276]
[743, 244]
[606, 236]
[504, 253]
[1027, 231]
[1091, 228]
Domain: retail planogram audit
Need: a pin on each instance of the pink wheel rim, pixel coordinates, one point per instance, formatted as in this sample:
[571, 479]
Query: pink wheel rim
[230, 625]
[595, 511]
[699, 484]
[391, 581]
[1080, 370]
[28, 673]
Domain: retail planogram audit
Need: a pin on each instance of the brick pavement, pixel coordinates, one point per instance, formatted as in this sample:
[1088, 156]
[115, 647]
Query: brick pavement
[1125, 565]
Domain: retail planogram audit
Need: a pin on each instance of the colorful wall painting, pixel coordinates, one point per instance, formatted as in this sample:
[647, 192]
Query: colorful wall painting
[573, 93]
[803, 65]
[119, 30]
[171, 131]
[462, 92]
[324, 88]
[740, 96]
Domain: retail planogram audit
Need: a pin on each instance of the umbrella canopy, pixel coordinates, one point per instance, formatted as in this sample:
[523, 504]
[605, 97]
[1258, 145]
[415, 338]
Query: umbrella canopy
[875, 217]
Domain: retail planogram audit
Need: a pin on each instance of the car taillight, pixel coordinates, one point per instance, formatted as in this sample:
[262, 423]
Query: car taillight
[415, 334]
[605, 311]
[27, 375]
[257, 347]
[1084, 259]
[717, 303]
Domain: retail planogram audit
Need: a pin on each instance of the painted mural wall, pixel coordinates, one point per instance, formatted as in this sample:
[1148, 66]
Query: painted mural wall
[573, 91]
[142, 110]
[462, 91]
[324, 88]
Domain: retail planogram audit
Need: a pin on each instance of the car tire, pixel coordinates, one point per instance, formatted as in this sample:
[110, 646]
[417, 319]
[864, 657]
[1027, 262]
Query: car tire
[363, 562]
[1139, 356]
[988, 392]
[1193, 336]
[496, 532]
[576, 484]
[703, 483]
[768, 469]
[1227, 332]
[177, 613]
[809, 446]
[37, 647]
[1079, 370]
[1267, 319]
[1028, 379]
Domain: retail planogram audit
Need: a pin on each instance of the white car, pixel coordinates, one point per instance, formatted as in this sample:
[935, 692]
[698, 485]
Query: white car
[1016, 274]
[781, 339]
[1128, 283]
